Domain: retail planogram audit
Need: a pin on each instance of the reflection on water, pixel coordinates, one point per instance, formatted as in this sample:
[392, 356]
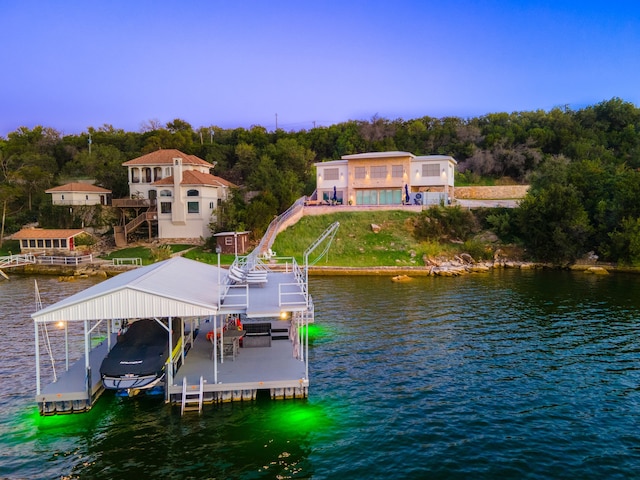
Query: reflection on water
[503, 375]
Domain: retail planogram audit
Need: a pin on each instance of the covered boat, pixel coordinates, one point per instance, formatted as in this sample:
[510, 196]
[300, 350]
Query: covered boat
[138, 359]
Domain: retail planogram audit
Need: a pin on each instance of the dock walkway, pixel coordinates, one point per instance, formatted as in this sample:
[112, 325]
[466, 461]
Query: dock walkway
[273, 368]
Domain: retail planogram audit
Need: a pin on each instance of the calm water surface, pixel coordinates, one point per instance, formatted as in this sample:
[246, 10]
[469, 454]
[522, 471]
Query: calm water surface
[506, 375]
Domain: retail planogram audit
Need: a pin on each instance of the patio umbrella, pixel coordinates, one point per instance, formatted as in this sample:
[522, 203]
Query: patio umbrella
[406, 193]
[335, 194]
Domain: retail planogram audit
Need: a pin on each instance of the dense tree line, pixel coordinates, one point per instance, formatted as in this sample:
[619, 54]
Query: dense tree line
[582, 164]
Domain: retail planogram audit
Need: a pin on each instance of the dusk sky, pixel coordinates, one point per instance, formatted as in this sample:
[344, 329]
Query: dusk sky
[71, 65]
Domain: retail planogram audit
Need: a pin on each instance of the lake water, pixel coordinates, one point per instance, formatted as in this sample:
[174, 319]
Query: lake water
[512, 374]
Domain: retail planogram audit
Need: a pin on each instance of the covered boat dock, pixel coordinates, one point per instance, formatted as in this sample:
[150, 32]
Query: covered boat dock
[208, 364]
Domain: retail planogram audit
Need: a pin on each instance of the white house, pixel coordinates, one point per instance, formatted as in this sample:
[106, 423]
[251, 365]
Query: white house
[79, 194]
[386, 178]
[181, 188]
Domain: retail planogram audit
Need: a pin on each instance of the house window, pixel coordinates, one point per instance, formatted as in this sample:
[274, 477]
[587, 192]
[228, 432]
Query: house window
[40, 243]
[165, 193]
[25, 243]
[63, 243]
[431, 170]
[62, 196]
[331, 174]
[56, 243]
[134, 176]
[47, 243]
[147, 175]
[360, 172]
[192, 193]
[32, 243]
[397, 171]
[86, 197]
[165, 207]
[193, 207]
[379, 171]
[228, 240]
[212, 205]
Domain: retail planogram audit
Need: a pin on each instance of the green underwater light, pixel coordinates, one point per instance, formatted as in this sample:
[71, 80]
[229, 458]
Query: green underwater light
[299, 416]
[317, 331]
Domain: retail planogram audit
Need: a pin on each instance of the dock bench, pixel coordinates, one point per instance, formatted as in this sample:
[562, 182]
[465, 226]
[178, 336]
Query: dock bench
[256, 335]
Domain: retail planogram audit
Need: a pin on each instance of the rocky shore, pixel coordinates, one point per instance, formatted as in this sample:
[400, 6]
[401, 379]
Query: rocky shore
[459, 265]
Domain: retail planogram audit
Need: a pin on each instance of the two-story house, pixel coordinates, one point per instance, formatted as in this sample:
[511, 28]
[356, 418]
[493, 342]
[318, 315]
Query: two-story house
[78, 193]
[180, 189]
[386, 178]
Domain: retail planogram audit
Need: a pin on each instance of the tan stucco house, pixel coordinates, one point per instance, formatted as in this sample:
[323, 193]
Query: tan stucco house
[386, 178]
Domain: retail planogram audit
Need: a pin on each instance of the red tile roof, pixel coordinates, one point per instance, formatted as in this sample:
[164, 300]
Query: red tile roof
[78, 187]
[165, 157]
[192, 177]
[28, 233]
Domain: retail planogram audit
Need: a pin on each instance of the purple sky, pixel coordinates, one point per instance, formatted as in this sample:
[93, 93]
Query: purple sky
[70, 65]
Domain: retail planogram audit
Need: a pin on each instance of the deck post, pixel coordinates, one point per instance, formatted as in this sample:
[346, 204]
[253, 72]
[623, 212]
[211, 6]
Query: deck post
[87, 364]
[215, 349]
[306, 346]
[66, 345]
[35, 324]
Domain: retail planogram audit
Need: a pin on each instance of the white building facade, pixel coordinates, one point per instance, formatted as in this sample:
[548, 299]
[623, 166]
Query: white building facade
[182, 189]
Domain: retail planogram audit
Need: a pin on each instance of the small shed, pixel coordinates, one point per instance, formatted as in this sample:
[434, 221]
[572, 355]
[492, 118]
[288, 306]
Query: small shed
[40, 239]
[77, 193]
[232, 242]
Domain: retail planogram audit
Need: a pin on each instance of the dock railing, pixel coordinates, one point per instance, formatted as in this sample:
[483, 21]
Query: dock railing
[53, 260]
[127, 261]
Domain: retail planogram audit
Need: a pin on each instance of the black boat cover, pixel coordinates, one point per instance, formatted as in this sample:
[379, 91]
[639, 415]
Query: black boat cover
[139, 357]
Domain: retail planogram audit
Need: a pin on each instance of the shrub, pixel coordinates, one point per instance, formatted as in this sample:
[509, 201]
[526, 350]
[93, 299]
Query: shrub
[439, 223]
[160, 252]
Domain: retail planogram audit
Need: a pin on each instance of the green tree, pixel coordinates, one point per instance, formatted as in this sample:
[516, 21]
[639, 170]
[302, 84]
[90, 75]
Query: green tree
[553, 223]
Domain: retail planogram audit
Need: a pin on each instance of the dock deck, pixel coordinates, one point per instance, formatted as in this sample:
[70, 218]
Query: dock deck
[273, 368]
[180, 288]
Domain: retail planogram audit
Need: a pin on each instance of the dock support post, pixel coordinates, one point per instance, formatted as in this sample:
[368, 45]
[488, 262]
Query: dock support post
[35, 324]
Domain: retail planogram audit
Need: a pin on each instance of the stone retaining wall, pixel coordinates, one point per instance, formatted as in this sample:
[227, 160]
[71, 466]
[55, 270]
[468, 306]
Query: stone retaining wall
[492, 193]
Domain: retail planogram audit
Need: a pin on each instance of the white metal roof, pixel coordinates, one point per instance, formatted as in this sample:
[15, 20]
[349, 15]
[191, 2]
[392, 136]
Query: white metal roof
[174, 288]
[358, 156]
[434, 158]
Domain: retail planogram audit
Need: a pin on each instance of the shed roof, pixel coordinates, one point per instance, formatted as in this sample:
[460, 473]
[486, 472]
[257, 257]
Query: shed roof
[78, 187]
[173, 288]
[45, 233]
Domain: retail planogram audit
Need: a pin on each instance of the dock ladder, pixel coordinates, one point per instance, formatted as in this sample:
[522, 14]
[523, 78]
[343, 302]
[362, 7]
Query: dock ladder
[192, 398]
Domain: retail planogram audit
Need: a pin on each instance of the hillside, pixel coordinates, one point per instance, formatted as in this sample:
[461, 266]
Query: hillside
[357, 245]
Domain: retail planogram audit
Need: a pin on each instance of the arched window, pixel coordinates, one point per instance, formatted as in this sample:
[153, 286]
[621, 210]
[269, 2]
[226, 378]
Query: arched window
[165, 193]
[192, 193]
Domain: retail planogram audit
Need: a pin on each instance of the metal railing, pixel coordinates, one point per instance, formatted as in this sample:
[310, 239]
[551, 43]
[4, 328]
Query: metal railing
[127, 261]
[53, 260]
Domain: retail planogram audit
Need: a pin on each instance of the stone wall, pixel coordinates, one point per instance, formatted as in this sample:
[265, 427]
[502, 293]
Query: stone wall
[492, 193]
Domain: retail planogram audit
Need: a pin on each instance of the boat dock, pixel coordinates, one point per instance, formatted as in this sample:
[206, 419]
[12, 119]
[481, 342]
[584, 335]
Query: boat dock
[205, 297]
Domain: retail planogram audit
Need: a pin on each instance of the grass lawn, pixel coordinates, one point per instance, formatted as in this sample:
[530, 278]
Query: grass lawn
[355, 243]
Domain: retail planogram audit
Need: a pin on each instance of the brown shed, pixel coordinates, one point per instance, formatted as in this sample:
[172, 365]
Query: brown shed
[232, 242]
